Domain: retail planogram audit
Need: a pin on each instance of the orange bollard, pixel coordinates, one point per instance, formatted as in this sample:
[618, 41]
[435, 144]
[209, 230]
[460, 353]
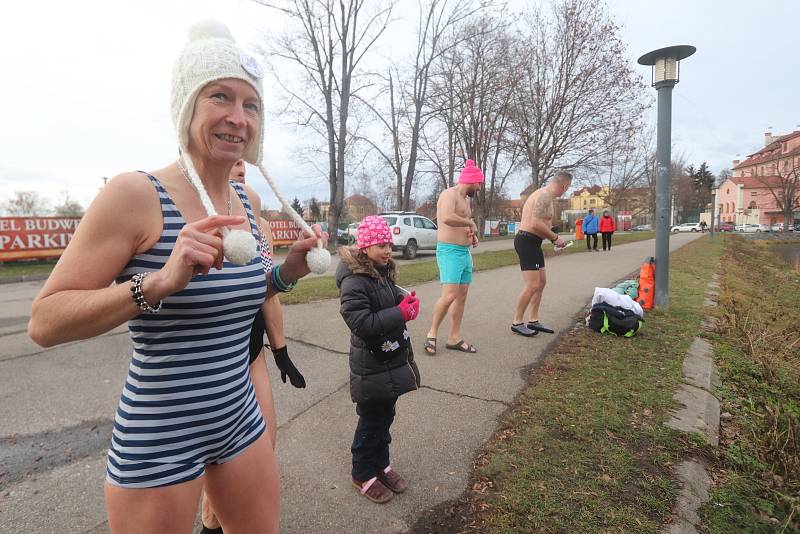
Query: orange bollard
[579, 230]
[647, 284]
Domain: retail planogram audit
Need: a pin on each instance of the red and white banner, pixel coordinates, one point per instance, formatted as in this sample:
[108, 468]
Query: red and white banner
[24, 238]
[284, 232]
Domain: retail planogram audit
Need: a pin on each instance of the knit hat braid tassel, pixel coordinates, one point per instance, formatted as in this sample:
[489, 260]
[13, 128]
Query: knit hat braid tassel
[318, 258]
[239, 247]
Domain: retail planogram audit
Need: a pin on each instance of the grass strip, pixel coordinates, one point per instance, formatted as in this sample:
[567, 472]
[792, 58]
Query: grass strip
[11, 270]
[584, 447]
[757, 349]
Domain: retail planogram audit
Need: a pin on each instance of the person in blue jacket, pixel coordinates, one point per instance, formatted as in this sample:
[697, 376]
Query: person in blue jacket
[590, 226]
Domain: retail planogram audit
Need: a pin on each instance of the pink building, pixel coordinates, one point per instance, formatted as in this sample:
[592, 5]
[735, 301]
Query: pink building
[746, 197]
[747, 200]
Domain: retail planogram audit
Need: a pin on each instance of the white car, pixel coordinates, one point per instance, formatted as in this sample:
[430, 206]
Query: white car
[410, 232]
[748, 228]
[777, 227]
[686, 227]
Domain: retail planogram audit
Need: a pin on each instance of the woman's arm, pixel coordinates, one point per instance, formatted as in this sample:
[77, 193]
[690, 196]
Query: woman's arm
[78, 300]
[273, 311]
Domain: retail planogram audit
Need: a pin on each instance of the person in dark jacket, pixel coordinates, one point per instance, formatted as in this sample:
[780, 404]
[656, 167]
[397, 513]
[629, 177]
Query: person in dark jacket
[382, 363]
[590, 223]
[607, 228]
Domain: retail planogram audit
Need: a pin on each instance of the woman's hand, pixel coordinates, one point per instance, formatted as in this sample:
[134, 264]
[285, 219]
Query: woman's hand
[197, 249]
[295, 266]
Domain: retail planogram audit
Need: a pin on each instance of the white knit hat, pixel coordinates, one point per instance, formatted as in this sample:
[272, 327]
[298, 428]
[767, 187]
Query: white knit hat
[211, 55]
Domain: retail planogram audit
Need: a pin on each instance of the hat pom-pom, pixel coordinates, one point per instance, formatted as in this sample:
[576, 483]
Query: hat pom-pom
[318, 260]
[469, 163]
[239, 247]
[209, 29]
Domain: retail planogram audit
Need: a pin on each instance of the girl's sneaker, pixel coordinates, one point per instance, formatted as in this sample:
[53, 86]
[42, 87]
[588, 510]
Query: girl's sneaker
[373, 490]
[392, 480]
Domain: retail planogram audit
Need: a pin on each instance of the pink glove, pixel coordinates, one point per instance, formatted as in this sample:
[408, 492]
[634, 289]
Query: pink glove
[409, 307]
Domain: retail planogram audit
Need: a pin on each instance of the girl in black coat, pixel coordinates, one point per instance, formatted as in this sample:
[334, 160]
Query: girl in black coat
[382, 363]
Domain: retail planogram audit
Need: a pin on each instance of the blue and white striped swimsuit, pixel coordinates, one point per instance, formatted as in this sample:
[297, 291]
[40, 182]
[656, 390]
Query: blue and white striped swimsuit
[188, 400]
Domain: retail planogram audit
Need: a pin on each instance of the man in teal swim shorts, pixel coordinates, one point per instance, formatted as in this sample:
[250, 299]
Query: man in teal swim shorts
[456, 234]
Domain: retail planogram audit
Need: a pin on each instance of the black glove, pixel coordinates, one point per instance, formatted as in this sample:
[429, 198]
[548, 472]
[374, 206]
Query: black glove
[286, 366]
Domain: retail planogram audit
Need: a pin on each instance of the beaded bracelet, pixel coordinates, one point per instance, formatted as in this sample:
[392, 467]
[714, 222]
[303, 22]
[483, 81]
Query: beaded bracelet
[278, 282]
[138, 296]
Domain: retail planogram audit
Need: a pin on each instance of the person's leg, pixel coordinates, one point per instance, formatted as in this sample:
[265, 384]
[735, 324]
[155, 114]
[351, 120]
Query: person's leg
[367, 440]
[457, 313]
[588, 241]
[449, 294]
[387, 418]
[530, 281]
[536, 297]
[168, 509]
[610, 235]
[604, 239]
[246, 491]
[595, 241]
[259, 375]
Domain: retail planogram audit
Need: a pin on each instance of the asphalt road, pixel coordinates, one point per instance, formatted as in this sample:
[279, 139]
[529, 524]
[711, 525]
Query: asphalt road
[57, 404]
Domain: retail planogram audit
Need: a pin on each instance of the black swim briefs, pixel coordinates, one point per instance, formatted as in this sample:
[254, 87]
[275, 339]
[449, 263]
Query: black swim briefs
[529, 250]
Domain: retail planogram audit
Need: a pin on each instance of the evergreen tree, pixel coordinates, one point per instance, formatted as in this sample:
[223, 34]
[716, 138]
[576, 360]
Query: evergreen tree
[296, 206]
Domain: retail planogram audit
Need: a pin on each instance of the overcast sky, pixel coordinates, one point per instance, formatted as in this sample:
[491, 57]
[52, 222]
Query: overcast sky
[85, 84]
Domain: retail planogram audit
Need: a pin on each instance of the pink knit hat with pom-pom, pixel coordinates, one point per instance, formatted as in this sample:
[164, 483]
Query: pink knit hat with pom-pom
[373, 230]
[470, 174]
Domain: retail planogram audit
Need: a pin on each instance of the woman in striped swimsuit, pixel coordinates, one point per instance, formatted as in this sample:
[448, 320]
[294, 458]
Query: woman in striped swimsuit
[187, 408]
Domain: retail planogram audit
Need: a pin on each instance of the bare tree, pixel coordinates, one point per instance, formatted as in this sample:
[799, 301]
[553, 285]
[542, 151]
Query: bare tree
[625, 163]
[486, 78]
[577, 79]
[27, 204]
[330, 43]
[723, 175]
[784, 186]
[68, 207]
[405, 114]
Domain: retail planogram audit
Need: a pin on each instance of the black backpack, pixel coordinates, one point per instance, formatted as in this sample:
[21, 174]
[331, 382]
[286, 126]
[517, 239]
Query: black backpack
[605, 318]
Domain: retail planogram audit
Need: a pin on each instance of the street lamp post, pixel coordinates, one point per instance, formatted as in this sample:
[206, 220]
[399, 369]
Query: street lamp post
[665, 63]
[713, 210]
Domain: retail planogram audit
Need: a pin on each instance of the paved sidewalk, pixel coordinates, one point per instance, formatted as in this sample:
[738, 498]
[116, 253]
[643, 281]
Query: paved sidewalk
[438, 429]
[58, 404]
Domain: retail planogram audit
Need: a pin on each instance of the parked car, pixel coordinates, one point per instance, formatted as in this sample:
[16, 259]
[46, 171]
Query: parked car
[411, 232]
[748, 228]
[642, 228]
[346, 234]
[686, 227]
[777, 227]
[725, 227]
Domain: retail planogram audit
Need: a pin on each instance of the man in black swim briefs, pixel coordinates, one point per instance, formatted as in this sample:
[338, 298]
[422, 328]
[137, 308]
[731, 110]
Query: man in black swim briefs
[537, 218]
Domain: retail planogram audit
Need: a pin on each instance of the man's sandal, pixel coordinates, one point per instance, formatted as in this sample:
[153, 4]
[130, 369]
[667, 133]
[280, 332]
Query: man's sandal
[430, 346]
[462, 346]
[374, 490]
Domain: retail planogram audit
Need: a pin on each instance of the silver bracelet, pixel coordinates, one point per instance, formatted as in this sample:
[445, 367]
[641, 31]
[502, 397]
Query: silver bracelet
[138, 296]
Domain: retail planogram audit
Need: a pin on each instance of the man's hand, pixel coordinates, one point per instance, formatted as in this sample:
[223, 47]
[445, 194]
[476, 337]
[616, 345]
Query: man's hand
[559, 243]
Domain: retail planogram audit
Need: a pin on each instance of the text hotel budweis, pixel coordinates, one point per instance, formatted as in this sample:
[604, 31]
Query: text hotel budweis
[35, 237]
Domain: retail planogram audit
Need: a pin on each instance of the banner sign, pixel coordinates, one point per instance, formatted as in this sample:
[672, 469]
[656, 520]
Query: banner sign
[25, 238]
[284, 232]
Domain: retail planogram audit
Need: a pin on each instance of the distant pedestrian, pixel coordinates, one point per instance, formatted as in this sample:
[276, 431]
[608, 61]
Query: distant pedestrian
[607, 228]
[590, 224]
[381, 358]
[703, 226]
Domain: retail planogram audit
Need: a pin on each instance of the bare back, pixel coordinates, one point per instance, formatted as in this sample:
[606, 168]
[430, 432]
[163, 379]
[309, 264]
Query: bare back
[538, 208]
[450, 201]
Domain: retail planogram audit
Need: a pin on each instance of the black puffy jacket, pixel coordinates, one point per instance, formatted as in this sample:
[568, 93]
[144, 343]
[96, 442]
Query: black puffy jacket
[369, 299]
